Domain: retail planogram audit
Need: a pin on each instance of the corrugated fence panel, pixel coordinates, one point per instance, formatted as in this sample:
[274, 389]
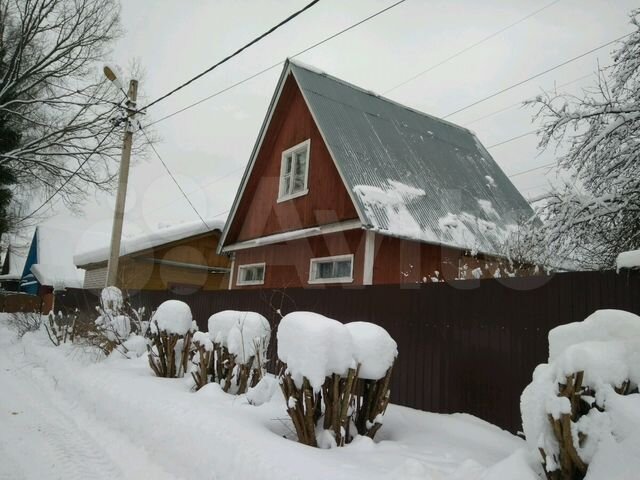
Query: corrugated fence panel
[463, 347]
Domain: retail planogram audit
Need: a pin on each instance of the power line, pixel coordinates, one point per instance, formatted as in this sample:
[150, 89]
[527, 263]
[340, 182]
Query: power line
[73, 174]
[550, 164]
[201, 187]
[517, 84]
[229, 57]
[153, 147]
[275, 65]
[517, 104]
[466, 49]
[522, 135]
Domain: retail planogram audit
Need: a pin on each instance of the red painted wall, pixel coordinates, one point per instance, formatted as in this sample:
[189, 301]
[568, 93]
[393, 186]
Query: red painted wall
[287, 264]
[328, 201]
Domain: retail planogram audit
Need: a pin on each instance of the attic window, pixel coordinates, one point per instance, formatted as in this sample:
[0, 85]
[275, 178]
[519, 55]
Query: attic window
[294, 172]
[337, 269]
[252, 274]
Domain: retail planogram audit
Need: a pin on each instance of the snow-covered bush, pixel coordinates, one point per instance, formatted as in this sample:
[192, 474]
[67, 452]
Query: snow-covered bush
[584, 404]
[171, 331]
[202, 360]
[334, 376]
[240, 341]
[375, 352]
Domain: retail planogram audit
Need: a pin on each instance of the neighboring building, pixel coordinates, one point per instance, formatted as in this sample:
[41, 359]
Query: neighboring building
[49, 265]
[12, 268]
[346, 187]
[180, 258]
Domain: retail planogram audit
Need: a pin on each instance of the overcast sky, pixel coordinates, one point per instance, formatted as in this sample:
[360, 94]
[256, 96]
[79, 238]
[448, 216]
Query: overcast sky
[207, 146]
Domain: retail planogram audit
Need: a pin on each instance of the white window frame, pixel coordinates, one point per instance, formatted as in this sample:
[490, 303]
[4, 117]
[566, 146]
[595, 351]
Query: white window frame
[283, 196]
[335, 258]
[244, 267]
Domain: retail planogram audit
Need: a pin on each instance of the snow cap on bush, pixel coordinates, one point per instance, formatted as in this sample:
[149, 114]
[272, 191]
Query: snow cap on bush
[202, 339]
[373, 349]
[602, 325]
[111, 298]
[173, 317]
[606, 347]
[239, 331]
[314, 346]
[248, 335]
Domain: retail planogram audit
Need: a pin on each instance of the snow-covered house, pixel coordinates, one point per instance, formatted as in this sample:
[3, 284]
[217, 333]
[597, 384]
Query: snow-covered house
[49, 265]
[181, 258]
[347, 187]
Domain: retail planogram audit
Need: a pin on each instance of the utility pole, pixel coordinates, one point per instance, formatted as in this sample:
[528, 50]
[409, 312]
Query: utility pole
[123, 178]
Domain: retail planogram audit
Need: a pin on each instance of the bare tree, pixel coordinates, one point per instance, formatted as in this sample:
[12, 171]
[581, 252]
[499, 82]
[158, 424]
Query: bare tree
[596, 213]
[52, 96]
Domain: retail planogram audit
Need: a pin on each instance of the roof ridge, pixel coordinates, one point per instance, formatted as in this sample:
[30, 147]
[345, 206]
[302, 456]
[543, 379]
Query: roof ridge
[317, 71]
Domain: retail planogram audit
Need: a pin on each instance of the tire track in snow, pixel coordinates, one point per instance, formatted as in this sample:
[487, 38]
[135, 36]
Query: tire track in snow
[42, 435]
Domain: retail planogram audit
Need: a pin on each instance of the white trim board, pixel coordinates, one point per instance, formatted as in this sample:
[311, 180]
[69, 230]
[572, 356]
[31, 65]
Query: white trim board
[369, 257]
[294, 235]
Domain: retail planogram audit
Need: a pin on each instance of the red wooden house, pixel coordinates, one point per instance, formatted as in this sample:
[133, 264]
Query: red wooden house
[346, 187]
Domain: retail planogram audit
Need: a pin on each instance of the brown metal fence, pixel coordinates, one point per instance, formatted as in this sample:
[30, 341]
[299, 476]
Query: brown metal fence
[466, 346]
[12, 302]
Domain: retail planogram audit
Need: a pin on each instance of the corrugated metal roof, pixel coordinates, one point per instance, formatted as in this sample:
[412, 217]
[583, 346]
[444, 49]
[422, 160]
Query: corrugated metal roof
[412, 175]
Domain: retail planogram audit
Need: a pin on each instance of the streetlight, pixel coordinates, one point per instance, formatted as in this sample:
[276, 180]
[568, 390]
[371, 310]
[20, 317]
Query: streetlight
[123, 176]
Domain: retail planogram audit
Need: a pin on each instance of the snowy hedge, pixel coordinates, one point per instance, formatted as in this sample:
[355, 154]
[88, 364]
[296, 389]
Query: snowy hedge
[335, 376]
[582, 409]
[171, 328]
[239, 341]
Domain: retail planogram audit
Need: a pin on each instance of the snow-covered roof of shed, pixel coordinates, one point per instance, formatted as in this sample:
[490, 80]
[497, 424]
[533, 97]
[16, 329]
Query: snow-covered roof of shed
[59, 276]
[55, 265]
[153, 239]
[17, 258]
[411, 175]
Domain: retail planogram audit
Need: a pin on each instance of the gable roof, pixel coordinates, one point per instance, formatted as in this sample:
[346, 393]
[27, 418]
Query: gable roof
[162, 236]
[50, 260]
[409, 174]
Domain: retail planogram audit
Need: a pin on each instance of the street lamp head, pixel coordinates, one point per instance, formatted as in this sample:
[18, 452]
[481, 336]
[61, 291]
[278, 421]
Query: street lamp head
[110, 73]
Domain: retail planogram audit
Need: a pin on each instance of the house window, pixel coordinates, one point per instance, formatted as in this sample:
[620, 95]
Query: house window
[331, 269]
[251, 274]
[294, 172]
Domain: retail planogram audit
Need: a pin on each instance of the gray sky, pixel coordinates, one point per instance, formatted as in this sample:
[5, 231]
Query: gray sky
[207, 146]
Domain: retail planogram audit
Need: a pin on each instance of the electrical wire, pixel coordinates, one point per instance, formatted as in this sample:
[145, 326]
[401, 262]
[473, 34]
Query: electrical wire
[550, 164]
[519, 104]
[68, 179]
[166, 167]
[473, 45]
[522, 135]
[275, 65]
[533, 77]
[229, 57]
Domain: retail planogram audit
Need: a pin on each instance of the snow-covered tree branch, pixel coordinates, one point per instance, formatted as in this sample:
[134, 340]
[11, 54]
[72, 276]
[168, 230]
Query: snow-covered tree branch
[53, 97]
[596, 213]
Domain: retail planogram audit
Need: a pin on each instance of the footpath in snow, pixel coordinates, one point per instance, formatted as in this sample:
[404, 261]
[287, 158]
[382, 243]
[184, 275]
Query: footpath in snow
[64, 414]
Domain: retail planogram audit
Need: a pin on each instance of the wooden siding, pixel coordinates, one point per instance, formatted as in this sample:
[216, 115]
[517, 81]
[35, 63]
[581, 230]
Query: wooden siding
[258, 213]
[287, 264]
[138, 272]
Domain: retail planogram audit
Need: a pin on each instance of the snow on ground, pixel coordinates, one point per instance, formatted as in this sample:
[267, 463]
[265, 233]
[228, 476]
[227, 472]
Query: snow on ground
[63, 414]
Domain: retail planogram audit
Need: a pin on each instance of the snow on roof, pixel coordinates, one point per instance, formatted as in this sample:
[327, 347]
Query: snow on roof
[17, 257]
[152, 239]
[410, 171]
[58, 276]
[407, 172]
